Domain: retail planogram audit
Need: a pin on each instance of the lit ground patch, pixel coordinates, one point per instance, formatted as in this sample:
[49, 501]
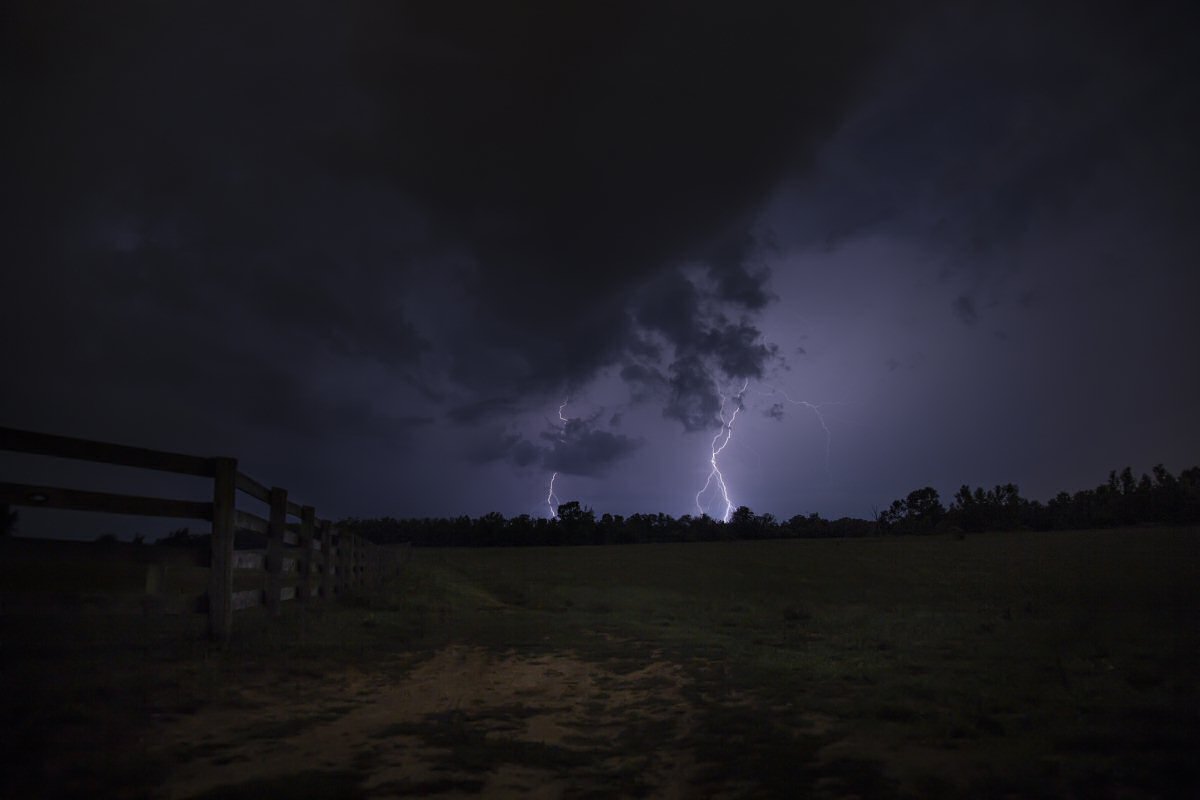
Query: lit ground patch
[463, 722]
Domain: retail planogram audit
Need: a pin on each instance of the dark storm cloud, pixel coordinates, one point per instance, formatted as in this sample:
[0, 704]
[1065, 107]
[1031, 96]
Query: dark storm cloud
[494, 444]
[164, 385]
[578, 447]
[709, 351]
[775, 412]
[644, 382]
[998, 124]
[577, 151]
[316, 165]
[964, 309]
[483, 410]
[670, 306]
[738, 281]
[169, 218]
[694, 396]
[525, 453]
[586, 450]
[737, 349]
[706, 346]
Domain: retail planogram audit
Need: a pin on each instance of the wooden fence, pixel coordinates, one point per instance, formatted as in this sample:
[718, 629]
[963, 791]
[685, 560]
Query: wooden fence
[306, 560]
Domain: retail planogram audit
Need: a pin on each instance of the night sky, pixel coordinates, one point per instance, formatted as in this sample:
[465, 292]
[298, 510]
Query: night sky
[370, 249]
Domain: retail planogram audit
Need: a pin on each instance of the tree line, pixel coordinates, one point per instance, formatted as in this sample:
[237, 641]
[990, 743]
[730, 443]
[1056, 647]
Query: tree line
[1123, 500]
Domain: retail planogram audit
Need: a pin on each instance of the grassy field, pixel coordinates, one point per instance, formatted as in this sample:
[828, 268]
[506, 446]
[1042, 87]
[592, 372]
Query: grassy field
[1006, 665]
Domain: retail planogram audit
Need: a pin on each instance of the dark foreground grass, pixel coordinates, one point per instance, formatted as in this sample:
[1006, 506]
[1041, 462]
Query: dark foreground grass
[1026, 664]
[1007, 665]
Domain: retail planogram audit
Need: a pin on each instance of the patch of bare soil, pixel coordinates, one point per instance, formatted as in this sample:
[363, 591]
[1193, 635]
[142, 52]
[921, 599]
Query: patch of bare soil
[463, 723]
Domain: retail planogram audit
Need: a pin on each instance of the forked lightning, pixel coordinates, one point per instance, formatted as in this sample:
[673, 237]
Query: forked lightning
[723, 436]
[552, 501]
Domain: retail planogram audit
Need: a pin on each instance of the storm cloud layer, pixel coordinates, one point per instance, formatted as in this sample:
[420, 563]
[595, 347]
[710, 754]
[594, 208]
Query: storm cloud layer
[396, 237]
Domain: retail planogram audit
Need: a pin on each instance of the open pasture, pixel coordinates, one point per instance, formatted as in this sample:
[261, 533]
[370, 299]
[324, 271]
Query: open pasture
[999, 665]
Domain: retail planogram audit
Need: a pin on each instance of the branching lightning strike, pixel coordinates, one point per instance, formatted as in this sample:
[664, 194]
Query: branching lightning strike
[816, 408]
[723, 436]
[552, 501]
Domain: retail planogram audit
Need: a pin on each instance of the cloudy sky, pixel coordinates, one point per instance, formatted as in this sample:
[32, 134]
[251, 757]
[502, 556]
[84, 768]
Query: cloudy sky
[374, 250]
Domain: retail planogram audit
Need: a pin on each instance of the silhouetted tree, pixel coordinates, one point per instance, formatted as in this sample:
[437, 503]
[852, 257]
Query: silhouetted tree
[741, 523]
[919, 512]
[182, 537]
[923, 509]
[575, 524]
[966, 513]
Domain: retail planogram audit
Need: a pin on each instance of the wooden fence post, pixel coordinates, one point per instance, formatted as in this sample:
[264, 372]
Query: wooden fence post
[372, 564]
[305, 564]
[339, 561]
[220, 577]
[355, 577]
[327, 559]
[345, 561]
[276, 526]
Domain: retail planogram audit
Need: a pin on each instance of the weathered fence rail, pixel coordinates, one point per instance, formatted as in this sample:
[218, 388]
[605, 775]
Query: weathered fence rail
[305, 560]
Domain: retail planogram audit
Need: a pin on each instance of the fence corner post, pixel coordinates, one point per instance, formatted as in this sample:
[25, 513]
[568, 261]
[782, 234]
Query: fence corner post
[327, 560]
[220, 578]
[341, 560]
[305, 563]
[276, 527]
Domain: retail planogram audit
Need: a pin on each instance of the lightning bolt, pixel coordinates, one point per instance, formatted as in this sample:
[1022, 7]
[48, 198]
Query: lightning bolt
[552, 501]
[552, 498]
[817, 409]
[723, 436]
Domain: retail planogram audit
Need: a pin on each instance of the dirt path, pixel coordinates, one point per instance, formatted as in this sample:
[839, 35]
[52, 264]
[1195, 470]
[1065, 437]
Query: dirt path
[463, 723]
